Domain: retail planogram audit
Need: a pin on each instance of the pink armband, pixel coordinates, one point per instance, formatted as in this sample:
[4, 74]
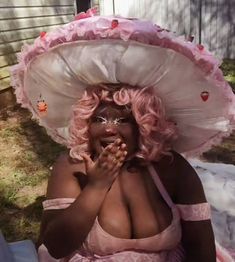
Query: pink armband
[195, 212]
[57, 203]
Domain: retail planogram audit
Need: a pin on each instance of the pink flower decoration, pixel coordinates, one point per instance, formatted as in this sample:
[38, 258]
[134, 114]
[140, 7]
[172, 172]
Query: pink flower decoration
[200, 47]
[90, 12]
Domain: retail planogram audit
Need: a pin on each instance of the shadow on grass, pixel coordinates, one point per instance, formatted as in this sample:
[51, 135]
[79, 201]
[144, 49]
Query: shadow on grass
[20, 223]
[20, 216]
[39, 142]
[46, 149]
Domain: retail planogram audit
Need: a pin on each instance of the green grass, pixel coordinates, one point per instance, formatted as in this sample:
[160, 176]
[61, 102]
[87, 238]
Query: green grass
[26, 155]
[228, 68]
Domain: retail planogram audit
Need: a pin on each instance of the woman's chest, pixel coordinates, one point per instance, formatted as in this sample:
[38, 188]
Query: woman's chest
[134, 207]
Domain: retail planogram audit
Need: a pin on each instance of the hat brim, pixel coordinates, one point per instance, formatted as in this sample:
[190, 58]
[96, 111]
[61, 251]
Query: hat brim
[61, 76]
[195, 95]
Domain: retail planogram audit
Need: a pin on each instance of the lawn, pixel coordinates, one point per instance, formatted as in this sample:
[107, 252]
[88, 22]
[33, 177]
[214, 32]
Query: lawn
[228, 68]
[26, 155]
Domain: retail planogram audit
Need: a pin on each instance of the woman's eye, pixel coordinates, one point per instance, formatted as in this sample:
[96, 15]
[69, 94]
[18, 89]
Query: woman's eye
[117, 121]
[122, 120]
[100, 119]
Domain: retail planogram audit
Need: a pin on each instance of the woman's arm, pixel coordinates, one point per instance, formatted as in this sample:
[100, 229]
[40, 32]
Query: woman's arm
[197, 236]
[64, 231]
[198, 241]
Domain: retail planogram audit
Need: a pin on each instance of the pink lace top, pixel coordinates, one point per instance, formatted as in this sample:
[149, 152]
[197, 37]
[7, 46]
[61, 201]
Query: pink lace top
[165, 246]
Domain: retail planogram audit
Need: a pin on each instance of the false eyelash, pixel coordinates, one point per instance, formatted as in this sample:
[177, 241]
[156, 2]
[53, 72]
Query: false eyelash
[105, 121]
[117, 120]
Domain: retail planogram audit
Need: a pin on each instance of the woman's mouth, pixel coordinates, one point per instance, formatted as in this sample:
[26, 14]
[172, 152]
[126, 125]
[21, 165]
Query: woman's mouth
[104, 143]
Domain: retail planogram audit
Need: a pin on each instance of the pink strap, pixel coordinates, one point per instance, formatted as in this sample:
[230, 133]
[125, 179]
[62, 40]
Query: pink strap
[160, 186]
[195, 212]
[57, 203]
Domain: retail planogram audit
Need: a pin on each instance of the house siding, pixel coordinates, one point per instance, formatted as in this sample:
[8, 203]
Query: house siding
[22, 21]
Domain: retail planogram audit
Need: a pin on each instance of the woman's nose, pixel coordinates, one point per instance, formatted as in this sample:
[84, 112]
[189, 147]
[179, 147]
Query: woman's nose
[111, 129]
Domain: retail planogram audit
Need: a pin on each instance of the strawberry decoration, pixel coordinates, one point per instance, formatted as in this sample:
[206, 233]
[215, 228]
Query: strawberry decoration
[81, 15]
[204, 96]
[42, 106]
[42, 34]
[114, 23]
[200, 47]
[89, 13]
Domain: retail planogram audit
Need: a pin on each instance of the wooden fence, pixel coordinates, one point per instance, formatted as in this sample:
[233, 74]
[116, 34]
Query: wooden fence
[212, 22]
[21, 21]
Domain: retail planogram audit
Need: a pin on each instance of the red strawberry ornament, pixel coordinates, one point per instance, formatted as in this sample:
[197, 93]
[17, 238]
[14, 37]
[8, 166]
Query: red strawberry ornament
[204, 96]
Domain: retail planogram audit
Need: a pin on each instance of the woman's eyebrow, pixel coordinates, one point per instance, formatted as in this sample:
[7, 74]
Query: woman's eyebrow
[102, 110]
[105, 110]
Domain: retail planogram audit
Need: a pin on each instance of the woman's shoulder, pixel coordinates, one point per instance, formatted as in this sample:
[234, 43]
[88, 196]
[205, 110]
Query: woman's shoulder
[189, 189]
[65, 162]
[180, 179]
[182, 167]
[64, 181]
[171, 166]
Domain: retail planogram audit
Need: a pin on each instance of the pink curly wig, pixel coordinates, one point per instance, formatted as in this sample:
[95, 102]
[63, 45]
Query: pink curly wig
[156, 134]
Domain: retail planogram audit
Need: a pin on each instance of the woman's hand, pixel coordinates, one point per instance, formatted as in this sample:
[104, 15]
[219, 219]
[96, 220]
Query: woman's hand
[60, 227]
[105, 169]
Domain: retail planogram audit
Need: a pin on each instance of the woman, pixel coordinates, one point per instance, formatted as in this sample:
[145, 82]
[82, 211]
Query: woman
[115, 190]
[123, 193]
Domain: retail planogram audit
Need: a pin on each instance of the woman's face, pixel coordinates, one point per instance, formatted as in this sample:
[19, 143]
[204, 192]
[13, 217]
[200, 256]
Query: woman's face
[110, 122]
